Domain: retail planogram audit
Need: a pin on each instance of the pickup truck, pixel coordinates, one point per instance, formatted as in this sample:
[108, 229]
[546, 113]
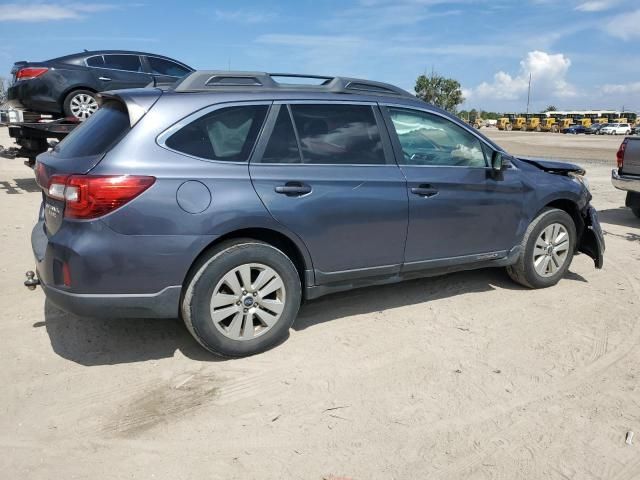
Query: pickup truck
[627, 176]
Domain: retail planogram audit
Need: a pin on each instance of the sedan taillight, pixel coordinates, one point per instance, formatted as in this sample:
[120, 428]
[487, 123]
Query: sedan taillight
[91, 196]
[28, 73]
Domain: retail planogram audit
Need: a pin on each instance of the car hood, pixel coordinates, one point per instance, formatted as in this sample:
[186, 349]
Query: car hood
[551, 166]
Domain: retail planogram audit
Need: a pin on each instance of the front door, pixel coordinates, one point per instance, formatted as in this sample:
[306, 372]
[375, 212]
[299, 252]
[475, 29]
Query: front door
[329, 176]
[459, 209]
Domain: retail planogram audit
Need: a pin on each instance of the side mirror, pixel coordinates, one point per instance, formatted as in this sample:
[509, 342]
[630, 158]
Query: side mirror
[499, 162]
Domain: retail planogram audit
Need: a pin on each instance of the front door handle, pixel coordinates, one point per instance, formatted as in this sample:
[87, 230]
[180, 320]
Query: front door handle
[424, 190]
[104, 79]
[293, 189]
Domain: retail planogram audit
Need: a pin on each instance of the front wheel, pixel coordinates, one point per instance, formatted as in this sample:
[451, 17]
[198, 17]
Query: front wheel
[546, 250]
[242, 298]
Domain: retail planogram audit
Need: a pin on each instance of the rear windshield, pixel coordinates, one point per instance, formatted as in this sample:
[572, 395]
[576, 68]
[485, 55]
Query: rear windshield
[97, 134]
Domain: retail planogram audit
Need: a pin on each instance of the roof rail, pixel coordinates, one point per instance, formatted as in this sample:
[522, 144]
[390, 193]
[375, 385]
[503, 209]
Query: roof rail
[211, 80]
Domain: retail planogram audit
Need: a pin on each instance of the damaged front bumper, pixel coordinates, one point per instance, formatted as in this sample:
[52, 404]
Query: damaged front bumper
[591, 241]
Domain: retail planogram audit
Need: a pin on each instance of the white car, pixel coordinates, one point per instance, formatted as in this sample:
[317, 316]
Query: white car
[616, 129]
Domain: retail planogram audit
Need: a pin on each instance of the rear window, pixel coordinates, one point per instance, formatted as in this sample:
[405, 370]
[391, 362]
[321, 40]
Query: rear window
[97, 134]
[227, 134]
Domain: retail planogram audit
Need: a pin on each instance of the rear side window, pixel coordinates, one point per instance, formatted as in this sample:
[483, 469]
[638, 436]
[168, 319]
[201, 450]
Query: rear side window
[338, 134]
[97, 61]
[159, 66]
[97, 134]
[131, 63]
[228, 134]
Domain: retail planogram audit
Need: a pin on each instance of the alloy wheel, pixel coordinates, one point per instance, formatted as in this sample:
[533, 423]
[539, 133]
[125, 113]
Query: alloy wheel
[551, 250]
[248, 301]
[82, 106]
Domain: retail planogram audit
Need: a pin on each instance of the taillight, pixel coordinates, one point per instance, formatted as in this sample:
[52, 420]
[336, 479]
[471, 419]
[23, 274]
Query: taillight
[620, 154]
[28, 73]
[91, 196]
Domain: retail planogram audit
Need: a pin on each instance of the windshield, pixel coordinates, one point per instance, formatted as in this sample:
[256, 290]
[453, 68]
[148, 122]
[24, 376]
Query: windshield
[97, 134]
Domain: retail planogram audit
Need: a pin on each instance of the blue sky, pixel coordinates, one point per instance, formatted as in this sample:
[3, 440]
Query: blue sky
[581, 53]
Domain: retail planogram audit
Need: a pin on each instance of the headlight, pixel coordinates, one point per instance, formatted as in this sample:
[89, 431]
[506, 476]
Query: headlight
[580, 179]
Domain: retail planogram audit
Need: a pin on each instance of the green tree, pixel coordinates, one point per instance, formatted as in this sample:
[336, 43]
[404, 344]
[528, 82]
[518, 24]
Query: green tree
[442, 92]
[550, 108]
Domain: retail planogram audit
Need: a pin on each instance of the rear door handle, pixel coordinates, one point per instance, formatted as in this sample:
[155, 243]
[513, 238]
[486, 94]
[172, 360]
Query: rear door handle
[104, 79]
[424, 190]
[293, 189]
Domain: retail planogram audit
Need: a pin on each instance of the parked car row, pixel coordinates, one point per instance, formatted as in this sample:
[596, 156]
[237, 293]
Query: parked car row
[603, 129]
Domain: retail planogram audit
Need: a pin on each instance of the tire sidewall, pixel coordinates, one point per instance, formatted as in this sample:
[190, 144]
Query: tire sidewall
[547, 218]
[197, 302]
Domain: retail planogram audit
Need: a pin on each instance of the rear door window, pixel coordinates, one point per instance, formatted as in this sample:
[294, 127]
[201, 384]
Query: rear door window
[338, 134]
[282, 146]
[97, 134]
[130, 63]
[160, 66]
[227, 134]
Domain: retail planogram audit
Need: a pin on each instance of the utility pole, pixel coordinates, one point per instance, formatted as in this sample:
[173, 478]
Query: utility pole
[529, 94]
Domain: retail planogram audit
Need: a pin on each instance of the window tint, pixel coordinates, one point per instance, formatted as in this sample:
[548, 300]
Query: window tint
[130, 63]
[97, 134]
[338, 134]
[428, 139]
[159, 66]
[95, 61]
[282, 146]
[227, 134]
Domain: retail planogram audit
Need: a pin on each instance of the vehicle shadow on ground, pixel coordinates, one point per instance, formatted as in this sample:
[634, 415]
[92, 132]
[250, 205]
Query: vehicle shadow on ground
[91, 342]
[621, 216]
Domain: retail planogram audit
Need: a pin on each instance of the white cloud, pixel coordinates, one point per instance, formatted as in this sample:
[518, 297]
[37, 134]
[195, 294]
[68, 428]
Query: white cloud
[548, 74]
[597, 5]
[624, 26]
[244, 16]
[621, 89]
[44, 12]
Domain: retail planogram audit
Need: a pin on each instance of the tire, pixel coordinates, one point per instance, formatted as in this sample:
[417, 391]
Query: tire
[524, 271]
[231, 336]
[636, 211]
[80, 104]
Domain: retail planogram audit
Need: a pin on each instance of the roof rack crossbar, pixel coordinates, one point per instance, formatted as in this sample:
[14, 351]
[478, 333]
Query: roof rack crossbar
[206, 81]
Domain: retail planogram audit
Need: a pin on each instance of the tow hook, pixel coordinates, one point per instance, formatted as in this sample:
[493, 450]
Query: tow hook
[32, 281]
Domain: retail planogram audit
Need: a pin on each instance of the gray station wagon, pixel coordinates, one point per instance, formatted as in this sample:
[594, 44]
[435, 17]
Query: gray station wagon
[229, 198]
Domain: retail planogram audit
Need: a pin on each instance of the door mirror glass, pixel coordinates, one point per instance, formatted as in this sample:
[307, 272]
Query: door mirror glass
[499, 161]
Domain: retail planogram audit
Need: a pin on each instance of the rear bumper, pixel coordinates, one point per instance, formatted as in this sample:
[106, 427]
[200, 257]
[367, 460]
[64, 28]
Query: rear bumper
[163, 304]
[34, 95]
[628, 183]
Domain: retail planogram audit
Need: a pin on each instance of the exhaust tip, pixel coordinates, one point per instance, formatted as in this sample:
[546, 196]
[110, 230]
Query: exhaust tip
[32, 281]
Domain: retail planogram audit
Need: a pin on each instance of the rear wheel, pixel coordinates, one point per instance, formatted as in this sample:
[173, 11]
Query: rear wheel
[80, 104]
[242, 299]
[546, 251]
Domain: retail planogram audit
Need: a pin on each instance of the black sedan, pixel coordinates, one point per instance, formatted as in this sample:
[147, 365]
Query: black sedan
[595, 128]
[68, 85]
[575, 129]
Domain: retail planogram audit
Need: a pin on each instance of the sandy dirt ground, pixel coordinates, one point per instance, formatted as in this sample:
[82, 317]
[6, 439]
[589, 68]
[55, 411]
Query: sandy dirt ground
[466, 376]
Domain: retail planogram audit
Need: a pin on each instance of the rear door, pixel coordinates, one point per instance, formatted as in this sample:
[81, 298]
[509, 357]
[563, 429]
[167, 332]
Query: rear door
[118, 71]
[326, 172]
[459, 210]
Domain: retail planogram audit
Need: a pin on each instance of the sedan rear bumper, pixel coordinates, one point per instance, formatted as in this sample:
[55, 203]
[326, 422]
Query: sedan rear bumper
[628, 183]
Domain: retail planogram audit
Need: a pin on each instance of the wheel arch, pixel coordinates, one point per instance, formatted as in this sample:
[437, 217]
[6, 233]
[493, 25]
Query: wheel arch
[296, 252]
[66, 92]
